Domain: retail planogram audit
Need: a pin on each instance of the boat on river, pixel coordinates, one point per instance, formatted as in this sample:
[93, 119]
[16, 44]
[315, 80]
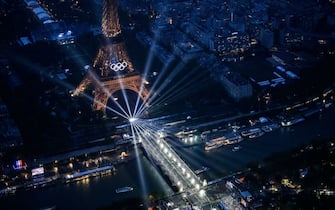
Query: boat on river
[256, 134]
[251, 131]
[270, 127]
[292, 121]
[233, 139]
[213, 145]
[236, 148]
[201, 170]
[124, 189]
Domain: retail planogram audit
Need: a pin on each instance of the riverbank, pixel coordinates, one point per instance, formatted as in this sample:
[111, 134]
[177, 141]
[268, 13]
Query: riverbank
[68, 167]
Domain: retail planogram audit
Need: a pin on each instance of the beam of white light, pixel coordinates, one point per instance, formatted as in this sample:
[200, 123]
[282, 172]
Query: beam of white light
[37, 69]
[99, 84]
[186, 87]
[126, 115]
[179, 89]
[145, 128]
[90, 98]
[148, 128]
[139, 165]
[123, 90]
[162, 74]
[116, 112]
[193, 157]
[96, 82]
[168, 158]
[187, 79]
[149, 142]
[157, 160]
[151, 148]
[160, 77]
[167, 79]
[151, 93]
[135, 113]
[146, 71]
[153, 130]
[157, 35]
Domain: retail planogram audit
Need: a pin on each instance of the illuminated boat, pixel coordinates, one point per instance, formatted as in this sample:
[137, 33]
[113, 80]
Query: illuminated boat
[201, 170]
[251, 131]
[124, 189]
[213, 145]
[256, 134]
[266, 128]
[40, 182]
[270, 127]
[236, 148]
[87, 174]
[219, 139]
[233, 139]
[293, 121]
[8, 191]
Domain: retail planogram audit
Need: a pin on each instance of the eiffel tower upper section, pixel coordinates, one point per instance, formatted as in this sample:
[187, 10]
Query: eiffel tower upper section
[110, 19]
[112, 59]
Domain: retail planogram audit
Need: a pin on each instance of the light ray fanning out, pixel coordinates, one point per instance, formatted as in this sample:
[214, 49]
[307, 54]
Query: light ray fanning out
[162, 86]
[146, 71]
[139, 165]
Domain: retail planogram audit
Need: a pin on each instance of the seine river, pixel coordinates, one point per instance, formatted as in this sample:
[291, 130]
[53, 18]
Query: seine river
[99, 192]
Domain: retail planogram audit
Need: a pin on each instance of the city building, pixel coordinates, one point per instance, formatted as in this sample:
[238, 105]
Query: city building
[266, 38]
[236, 86]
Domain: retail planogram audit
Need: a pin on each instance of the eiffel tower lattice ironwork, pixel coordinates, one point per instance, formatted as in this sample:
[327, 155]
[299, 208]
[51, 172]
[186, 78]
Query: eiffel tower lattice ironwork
[112, 69]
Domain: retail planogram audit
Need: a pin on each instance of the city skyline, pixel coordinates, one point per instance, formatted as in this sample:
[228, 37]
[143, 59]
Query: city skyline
[201, 80]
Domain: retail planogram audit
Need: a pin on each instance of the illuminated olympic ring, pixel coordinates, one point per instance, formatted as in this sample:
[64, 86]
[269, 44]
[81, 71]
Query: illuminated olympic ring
[118, 66]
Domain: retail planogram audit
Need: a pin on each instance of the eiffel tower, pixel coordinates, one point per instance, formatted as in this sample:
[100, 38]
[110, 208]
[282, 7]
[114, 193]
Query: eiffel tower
[112, 69]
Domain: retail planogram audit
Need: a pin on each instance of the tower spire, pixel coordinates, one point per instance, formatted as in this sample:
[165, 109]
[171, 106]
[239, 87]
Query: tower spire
[110, 23]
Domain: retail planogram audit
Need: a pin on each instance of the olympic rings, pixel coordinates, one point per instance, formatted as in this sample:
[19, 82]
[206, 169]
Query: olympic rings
[118, 66]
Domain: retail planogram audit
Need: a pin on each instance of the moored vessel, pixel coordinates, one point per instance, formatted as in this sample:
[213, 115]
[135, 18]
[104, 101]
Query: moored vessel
[233, 139]
[124, 189]
[89, 173]
[213, 145]
[236, 148]
[292, 121]
[256, 134]
[250, 131]
[201, 170]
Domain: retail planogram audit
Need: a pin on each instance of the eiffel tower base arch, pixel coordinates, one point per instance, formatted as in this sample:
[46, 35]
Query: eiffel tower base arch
[109, 87]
